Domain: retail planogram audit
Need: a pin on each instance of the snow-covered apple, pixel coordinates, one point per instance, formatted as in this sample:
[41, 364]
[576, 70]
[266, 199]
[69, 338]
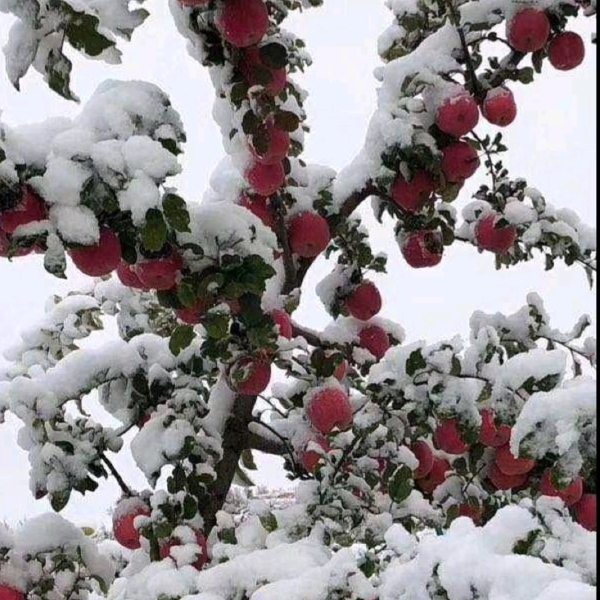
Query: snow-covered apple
[414, 194]
[493, 435]
[423, 248]
[509, 464]
[566, 51]
[309, 457]
[424, 454]
[127, 276]
[192, 315]
[243, 22]
[124, 529]
[159, 273]
[249, 376]
[201, 541]
[458, 115]
[329, 409]
[569, 495]
[503, 481]
[308, 234]
[101, 258]
[261, 208]
[375, 339]
[473, 513]
[364, 302]
[277, 145]
[283, 322]
[499, 107]
[254, 69]
[448, 437]
[459, 161]
[490, 236]
[266, 179]
[585, 512]
[528, 30]
[30, 209]
[436, 475]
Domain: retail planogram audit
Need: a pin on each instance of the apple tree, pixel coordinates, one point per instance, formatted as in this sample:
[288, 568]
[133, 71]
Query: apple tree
[447, 470]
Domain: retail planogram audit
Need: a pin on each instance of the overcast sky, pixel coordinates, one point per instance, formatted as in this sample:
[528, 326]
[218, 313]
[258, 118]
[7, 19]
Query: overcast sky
[552, 144]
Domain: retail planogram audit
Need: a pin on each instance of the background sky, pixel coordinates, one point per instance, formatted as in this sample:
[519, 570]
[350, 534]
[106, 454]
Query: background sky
[552, 144]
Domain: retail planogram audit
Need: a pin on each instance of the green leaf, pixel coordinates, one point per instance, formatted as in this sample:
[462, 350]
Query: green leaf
[99, 197]
[274, 55]
[58, 74]
[248, 460]
[154, 232]
[181, 338]
[171, 145]
[401, 485]
[176, 212]
[250, 123]
[58, 500]
[56, 263]
[242, 478]
[82, 32]
[287, 120]
[190, 507]
[269, 522]
[415, 362]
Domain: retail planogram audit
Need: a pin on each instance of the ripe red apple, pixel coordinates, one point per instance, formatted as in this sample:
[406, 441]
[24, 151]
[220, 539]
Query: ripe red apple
[566, 51]
[243, 22]
[376, 340]
[422, 249]
[447, 437]
[159, 273]
[435, 477]
[329, 409]
[424, 455]
[127, 276]
[413, 195]
[310, 458]
[124, 530]
[528, 30]
[491, 435]
[475, 514]
[364, 302]
[203, 557]
[569, 495]
[502, 481]
[101, 258]
[249, 376]
[459, 162]
[266, 179]
[253, 68]
[260, 207]
[458, 115]
[30, 209]
[308, 234]
[493, 238]
[511, 465]
[278, 146]
[284, 322]
[499, 107]
[192, 315]
[341, 371]
[9, 593]
[585, 512]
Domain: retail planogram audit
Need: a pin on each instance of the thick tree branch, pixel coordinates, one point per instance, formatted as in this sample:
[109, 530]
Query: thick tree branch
[266, 445]
[311, 336]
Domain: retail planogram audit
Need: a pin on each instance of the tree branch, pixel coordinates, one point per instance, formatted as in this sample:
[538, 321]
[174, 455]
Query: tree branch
[311, 336]
[126, 489]
[266, 445]
[288, 258]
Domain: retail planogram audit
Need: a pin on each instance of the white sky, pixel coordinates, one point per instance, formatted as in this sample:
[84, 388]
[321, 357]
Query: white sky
[552, 144]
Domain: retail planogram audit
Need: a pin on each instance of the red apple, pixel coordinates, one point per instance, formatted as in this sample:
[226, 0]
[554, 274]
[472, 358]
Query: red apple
[277, 146]
[376, 340]
[413, 195]
[528, 30]
[493, 238]
[266, 179]
[127, 276]
[435, 477]
[459, 162]
[475, 514]
[458, 115]
[30, 209]
[424, 455]
[422, 249]
[254, 69]
[447, 437]
[569, 495]
[502, 481]
[243, 22]
[566, 51]
[203, 557]
[124, 530]
[341, 371]
[585, 512]
[491, 435]
[159, 273]
[260, 207]
[9, 593]
[310, 458]
[364, 302]
[499, 107]
[308, 234]
[329, 409]
[249, 376]
[192, 315]
[283, 322]
[510, 464]
[101, 258]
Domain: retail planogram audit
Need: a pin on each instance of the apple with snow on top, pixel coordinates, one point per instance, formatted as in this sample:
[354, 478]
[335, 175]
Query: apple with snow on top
[585, 512]
[364, 302]
[310, 458]
[422, 249]
[447, 437]
[10, 593]
[528, 30]
[415, 194]
[509, 464]
[459, 162]
[329, 409]
[435, 477]
[283, 322]
[203, 557]
[469, 511]
[266, 179]
[260, 207]
[308, 234]
[159, 273]
[243, 22]
[569, 495]
[192, 315]
[458, 115]
[492, 435]
[424, 454]
[493, 238]
[276, 148]
[127, 276]
[254, 69]
[566, 51]
[249, 376]
[502, 481]
[124, 530]
[101, 258]
[30, 209]
[375, 339]
[499, 107]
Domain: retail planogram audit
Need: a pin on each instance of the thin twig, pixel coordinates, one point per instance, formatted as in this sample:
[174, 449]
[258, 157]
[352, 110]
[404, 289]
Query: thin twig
[126, 489]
